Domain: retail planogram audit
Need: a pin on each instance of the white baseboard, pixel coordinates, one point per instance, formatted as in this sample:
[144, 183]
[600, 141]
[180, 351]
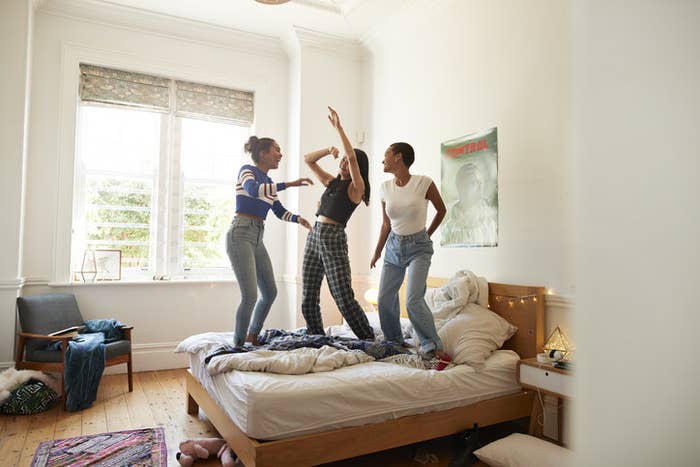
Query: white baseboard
[150, 357]
[147, 357]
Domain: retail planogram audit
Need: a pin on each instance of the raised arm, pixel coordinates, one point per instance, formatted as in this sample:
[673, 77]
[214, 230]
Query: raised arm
[433, 195]
[256, 189]
[357, 189]
[312, 159]
[383, 235]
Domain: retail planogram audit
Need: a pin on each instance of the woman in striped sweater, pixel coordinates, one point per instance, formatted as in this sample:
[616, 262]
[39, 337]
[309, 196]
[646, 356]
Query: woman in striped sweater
[256, 194]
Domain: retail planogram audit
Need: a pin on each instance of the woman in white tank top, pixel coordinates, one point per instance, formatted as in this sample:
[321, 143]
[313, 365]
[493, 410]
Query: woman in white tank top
[408, 248]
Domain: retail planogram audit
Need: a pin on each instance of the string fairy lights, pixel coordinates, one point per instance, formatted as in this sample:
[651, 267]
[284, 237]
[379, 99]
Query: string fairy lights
[513, 299]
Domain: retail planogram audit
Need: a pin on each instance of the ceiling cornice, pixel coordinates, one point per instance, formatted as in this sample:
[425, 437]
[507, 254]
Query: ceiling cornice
[102, 12]
[329, 43]
[321, 5]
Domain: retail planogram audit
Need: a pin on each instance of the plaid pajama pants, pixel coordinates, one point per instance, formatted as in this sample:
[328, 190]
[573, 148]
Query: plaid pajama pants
[326, 252]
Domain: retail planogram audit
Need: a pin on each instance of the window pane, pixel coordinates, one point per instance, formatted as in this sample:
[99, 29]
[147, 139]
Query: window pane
[211, 152]
[119, 140]
[119, 154]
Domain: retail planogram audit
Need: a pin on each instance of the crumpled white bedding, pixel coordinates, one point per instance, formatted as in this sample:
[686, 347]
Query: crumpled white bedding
[286, 362]
[205, 342]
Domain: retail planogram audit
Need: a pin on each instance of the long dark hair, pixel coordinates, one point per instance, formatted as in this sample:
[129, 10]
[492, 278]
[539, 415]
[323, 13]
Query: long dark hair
[363, 164]
[256, 145]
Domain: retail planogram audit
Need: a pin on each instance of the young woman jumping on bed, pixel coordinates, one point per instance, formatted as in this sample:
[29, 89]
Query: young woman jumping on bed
[326, 250]
[256, 194]
[408, 248]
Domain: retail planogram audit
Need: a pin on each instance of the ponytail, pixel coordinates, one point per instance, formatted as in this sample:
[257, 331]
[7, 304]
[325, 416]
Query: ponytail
[363, 164]
[256, 145]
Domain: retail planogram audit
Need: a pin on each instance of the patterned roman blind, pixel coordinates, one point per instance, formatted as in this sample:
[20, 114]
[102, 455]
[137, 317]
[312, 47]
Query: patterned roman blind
[197, 100]
[110, 86]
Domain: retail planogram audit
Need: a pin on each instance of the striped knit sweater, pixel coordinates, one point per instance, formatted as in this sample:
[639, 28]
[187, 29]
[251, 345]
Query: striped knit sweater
[256, 194]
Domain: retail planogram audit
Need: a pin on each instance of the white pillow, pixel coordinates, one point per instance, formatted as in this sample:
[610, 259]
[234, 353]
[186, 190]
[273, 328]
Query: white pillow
[474, 334]
[519, 450]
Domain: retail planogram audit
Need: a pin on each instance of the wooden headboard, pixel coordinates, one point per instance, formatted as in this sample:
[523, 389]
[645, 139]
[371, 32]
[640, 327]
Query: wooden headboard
[505, 300]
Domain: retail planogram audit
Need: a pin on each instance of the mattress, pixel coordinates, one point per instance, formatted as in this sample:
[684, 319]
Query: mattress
[269, 406]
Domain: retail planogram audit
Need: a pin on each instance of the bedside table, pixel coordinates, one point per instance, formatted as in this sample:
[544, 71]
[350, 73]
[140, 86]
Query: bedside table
[548, 381]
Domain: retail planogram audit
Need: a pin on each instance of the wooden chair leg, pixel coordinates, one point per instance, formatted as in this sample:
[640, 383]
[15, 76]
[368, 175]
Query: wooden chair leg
[62, 397]
[129, 370]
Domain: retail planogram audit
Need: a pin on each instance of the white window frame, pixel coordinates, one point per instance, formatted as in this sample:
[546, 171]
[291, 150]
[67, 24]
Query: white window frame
[79, 214]
[72, 54]
[167, 203]
[176, 229]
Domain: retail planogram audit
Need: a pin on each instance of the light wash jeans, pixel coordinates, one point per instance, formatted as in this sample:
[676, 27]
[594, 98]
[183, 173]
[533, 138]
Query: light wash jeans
[253, 269]
[412, 254]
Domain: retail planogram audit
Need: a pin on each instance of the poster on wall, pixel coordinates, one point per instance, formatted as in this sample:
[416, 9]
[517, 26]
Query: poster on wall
[470, 190]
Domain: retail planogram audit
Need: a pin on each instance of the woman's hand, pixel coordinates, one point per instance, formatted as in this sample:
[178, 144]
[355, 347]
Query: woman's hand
[373, 261]
[333, 151]
[300, 182]
[304, 222]
[333, 118]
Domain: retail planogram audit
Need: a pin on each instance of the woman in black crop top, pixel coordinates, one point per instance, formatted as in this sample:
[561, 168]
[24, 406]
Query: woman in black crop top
[326, 250]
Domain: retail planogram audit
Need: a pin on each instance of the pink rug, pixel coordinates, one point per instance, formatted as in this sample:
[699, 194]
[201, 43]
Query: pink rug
[136, 448]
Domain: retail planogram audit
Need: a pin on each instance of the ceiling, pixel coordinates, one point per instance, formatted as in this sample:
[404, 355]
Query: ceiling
[347, 18]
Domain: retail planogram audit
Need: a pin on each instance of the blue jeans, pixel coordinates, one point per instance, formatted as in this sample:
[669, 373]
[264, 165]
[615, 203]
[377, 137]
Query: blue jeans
[412, 254]
[253, 269]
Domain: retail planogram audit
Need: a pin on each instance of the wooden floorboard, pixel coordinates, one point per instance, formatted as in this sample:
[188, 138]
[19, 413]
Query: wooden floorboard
[159, 399]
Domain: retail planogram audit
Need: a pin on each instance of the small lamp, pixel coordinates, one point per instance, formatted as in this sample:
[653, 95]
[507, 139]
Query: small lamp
[557, 341]
[371, 297]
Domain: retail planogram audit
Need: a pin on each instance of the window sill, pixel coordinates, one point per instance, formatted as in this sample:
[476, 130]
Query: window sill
[143, 282]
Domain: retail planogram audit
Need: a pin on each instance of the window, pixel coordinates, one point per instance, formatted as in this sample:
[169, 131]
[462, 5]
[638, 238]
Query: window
[155, 172]
[209, 166]
[118, 157]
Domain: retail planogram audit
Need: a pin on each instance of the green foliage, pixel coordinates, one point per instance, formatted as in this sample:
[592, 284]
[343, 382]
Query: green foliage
[119, 210]
[208, 211]
[126, 203]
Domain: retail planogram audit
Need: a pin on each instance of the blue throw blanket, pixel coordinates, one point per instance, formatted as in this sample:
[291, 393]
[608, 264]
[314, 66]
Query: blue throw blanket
[85, 361]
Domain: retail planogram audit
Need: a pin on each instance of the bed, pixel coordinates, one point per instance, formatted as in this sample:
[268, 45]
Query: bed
[491, 399]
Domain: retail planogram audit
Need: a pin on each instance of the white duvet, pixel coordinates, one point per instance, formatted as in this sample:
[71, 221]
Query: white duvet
[288, 362]
[285, 362]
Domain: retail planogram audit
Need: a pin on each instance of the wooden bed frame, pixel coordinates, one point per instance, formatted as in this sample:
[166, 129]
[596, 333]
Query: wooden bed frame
[329, 446]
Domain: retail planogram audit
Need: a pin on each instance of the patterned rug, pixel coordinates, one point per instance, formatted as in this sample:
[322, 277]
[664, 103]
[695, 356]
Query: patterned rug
[136, 448]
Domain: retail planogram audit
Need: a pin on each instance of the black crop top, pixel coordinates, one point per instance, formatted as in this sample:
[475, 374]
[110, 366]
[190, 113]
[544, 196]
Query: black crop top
[335, 202]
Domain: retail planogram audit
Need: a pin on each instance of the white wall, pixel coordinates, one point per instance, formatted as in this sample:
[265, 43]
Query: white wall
[637, 255]
[16, 23]
[330, 75]
[161, 313]
[441, 70]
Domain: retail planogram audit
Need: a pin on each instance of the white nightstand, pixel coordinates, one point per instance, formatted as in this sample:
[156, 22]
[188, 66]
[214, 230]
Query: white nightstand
[547, 380]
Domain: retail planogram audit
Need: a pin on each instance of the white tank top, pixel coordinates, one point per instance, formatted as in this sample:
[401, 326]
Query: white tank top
[406, 206]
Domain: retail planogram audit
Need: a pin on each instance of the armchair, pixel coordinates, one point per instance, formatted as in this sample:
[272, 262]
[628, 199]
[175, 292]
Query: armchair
[40, 315]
